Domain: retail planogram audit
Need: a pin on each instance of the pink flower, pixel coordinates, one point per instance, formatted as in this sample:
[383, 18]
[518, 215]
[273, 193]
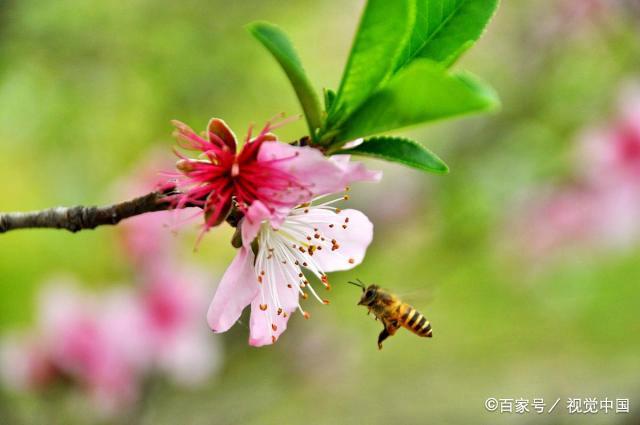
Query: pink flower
[312, 238]
[223, 173]
[92, 348]
[603, 207]
[278, 175]
[25, 364]
[173, 303]
[613, 154]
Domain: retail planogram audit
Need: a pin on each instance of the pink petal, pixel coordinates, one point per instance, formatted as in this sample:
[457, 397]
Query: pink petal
[252, 221]
[260, 324]
[321, 175]
[235, 291]
[355, 171]
[353, 241]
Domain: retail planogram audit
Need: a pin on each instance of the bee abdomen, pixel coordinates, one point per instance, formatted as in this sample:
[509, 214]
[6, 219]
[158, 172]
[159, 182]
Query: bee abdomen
[416, 323]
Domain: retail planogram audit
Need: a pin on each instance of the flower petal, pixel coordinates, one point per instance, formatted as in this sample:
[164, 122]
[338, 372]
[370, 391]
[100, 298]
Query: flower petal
[319, 174]
[355, 171]
[266, 326]
[352, 241]
[252, 221]
[235, 291]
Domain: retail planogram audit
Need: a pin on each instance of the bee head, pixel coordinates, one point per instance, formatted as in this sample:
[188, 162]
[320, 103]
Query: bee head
[369, 295]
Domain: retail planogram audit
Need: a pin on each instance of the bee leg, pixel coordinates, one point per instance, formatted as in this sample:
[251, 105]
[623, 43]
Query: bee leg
[383, 335]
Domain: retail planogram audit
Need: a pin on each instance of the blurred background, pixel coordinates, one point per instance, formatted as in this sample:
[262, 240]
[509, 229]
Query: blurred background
[524, 257]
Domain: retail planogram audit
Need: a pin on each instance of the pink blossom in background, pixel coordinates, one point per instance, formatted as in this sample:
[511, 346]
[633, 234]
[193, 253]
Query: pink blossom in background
[602, 208]
[86, 345]
[172, 296]
[106, 345]
[174, 303]
[570, 16]
[25, 364]
[612, 155]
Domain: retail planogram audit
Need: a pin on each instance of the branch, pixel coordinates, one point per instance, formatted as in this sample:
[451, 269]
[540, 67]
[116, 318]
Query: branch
[78, 218]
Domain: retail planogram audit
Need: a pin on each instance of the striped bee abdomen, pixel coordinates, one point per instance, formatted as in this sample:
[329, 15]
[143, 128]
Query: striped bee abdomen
[414, 321]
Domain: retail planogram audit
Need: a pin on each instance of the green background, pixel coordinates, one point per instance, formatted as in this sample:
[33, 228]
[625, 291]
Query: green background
[87, 90]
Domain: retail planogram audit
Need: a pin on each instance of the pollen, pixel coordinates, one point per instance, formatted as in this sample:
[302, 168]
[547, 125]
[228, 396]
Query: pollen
[274, 327]
[305, 295]
[351, 261]
[306, 315]
[279, 311]
[325, 302]
[273, 339]
[263, 307]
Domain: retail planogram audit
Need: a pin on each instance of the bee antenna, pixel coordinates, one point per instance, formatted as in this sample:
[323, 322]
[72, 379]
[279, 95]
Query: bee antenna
[358, 283]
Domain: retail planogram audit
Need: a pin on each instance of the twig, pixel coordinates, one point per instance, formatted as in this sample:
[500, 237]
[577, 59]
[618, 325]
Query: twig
[79, 218]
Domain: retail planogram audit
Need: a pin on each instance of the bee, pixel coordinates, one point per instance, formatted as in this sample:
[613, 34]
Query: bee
[392, 312]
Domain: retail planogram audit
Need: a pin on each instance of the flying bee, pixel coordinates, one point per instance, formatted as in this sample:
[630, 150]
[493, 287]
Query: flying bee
[392, 312]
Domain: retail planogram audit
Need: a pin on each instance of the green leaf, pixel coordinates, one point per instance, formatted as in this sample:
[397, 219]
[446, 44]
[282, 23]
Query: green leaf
[444, 29]
[329, 98]
[384, 28]
[404, 151]
[277, 42]
[422, 92]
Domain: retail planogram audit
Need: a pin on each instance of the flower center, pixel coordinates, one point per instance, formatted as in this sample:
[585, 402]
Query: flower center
[235, 169]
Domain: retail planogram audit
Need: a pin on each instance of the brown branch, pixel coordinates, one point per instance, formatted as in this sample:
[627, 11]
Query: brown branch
[78, 218]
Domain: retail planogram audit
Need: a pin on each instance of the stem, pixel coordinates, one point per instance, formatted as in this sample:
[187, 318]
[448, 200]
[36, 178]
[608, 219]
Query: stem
[79, 218]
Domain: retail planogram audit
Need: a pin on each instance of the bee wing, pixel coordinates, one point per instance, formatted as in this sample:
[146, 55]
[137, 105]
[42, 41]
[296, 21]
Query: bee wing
[417, 296]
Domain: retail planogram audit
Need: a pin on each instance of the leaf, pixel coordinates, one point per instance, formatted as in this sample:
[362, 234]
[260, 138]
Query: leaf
[329, 98]
[277, 42]
[424, 91]
[404, 151]
[444, 29]
[384, 28]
